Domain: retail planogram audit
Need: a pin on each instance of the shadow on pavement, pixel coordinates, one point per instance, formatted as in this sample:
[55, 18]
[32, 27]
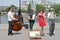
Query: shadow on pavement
[17, 33]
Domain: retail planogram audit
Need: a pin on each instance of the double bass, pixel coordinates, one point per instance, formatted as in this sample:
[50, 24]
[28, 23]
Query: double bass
[17, 25]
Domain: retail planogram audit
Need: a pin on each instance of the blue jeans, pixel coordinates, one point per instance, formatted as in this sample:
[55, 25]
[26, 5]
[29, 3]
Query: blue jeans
[31, 24]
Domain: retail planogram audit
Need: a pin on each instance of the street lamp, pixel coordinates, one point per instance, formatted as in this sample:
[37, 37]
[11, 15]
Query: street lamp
[0, 18]
[19, 4]
[19, 10]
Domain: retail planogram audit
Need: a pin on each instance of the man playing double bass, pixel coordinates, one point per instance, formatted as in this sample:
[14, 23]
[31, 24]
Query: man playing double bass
[10, 20]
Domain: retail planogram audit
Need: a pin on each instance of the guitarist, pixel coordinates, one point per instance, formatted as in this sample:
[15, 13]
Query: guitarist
[31, 19]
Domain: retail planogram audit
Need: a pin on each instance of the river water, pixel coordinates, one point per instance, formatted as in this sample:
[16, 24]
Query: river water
[4, 19]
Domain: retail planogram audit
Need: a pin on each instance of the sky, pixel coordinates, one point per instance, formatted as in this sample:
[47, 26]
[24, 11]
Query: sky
[16, 2]
[9, 2]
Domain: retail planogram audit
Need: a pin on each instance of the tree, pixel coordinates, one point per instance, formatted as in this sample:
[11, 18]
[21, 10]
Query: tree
[39, 8]
[29, 8]
[7, 9]
[57, 8]
[23, 11]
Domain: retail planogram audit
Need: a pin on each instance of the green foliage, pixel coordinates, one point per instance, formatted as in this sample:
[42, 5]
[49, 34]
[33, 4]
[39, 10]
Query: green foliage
[2, 10]
[23, 11]
[57, 8]
[7, 9]
[29, 8]
[39, 8]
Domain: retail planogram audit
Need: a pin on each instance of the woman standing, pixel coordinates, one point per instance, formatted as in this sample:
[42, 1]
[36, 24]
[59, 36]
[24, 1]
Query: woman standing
[41, 16]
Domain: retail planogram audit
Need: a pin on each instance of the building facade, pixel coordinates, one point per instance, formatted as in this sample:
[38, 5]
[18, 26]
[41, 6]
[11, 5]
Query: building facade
[25, 3]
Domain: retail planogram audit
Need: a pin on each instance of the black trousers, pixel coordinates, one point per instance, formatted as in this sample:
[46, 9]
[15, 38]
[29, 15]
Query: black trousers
[10, 27]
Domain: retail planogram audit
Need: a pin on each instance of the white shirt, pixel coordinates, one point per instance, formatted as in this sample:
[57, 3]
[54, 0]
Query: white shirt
[10, 16]
[50, 16]
[33, 17]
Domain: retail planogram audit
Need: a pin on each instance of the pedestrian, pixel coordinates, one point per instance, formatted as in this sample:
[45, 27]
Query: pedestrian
[10, 20]
[31, 19]
[42, 23]
[51, 20]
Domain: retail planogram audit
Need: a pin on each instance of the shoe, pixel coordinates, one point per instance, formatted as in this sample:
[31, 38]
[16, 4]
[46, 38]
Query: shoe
[30, 29]
[10, 34]
[53, 34]
[49, 34]
[42, 34]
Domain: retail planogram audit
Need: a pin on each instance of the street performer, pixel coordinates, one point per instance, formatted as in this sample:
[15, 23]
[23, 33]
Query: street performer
[10, 20]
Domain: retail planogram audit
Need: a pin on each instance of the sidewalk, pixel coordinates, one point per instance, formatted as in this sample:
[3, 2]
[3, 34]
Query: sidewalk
[23, 34]
[57, 26]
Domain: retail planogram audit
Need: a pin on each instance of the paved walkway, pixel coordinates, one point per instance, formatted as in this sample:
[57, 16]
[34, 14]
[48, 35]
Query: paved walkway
[57, 26]
[23, 34]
